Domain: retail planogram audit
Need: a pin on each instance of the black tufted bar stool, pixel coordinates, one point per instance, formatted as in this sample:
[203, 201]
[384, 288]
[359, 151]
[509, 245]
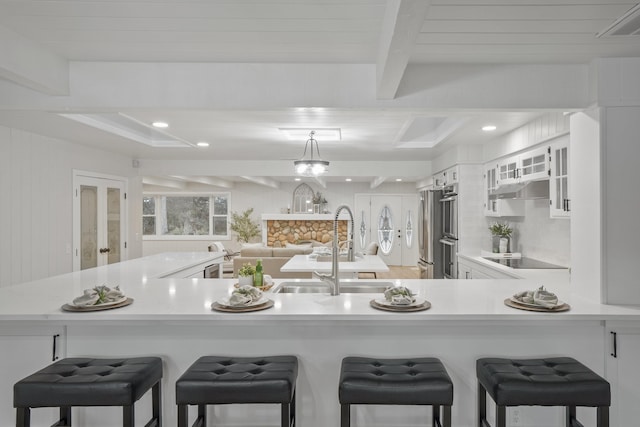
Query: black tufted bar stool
[558, 381]
[90, 382]
[418, 381]
[216, 380]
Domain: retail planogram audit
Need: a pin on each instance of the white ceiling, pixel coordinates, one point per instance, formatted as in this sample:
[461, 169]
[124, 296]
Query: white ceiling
[389, 33]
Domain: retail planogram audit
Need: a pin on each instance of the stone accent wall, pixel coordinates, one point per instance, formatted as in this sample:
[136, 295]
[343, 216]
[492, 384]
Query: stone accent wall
[281, 232]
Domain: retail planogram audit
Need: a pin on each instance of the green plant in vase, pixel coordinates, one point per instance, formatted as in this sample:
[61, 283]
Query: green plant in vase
[245, 274]
[501, 237]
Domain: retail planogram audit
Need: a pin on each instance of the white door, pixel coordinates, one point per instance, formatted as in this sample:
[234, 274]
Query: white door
[99, 221]
[386, 224]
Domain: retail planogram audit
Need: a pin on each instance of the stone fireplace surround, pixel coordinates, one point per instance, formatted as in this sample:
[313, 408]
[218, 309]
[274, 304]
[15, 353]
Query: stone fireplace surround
[280, 229]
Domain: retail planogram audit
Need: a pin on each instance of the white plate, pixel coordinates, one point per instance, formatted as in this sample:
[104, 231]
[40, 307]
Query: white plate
[225, 302]
[105, 304]
[528, 304]
[383, 301]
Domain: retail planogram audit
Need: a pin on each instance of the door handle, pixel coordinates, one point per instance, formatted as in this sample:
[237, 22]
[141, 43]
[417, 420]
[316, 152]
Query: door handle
[104, 250]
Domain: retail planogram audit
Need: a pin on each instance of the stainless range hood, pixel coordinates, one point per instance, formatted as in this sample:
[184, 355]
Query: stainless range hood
[523, 190]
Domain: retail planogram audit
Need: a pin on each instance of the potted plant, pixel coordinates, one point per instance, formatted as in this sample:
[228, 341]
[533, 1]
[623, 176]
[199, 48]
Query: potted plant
[244, 227]
[245, 274]
[319, 203]
[501, 237]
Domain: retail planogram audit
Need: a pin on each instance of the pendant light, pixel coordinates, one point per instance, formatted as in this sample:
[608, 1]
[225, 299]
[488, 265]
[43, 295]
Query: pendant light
[311, 166]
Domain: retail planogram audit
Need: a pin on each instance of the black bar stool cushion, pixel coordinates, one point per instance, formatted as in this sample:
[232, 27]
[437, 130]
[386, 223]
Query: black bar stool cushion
[419, 381]
[558, 381]
[220, 380]
[88, 382]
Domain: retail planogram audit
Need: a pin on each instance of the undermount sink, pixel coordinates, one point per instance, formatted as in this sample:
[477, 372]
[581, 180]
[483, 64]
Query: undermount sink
[315, 287]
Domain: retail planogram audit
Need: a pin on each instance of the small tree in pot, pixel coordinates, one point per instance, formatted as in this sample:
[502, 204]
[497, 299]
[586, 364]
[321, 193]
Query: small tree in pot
[244, 227]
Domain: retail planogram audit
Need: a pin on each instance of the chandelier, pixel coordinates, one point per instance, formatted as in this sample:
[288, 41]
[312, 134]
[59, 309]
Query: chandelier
[311, 166]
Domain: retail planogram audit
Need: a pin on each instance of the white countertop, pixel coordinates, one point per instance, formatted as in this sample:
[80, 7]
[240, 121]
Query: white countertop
[548, 276]
[180, 300]
[306, 263]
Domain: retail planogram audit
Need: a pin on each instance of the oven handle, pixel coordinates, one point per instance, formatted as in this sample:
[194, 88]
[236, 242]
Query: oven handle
[448, 242]
[450, 198]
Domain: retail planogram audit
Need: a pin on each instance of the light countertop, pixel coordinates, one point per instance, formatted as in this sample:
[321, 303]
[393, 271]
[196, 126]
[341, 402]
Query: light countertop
[180, 300]
[549, 276]
[307, 263]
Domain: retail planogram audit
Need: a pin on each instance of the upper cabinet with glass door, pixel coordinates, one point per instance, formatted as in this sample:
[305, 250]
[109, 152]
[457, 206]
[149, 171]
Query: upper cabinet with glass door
[493, 205]
[559, 190]
[531, 165]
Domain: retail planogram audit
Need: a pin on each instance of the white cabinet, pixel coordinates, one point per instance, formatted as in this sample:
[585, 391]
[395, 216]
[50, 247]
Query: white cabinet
[446, 177]
[439, 180]
[559, 189]
[531, 165]
[23, 351]
[470, 269]
[508, 170]
[464, 270]
[493, 206]
[621, 370]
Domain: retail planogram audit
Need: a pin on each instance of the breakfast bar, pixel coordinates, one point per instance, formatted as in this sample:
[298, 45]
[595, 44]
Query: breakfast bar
[172, 318]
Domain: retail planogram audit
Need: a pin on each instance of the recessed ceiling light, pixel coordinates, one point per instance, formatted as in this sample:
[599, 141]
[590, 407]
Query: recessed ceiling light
[348, 179]
[296, 179]
[398, 179]
[488, 128]
[202, 144]
[161, 125]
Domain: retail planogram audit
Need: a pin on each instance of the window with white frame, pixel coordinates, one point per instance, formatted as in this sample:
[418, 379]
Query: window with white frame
[186, 216]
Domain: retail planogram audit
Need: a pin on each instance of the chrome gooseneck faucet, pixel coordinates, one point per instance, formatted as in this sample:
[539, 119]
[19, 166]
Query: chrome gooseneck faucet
[333, 278]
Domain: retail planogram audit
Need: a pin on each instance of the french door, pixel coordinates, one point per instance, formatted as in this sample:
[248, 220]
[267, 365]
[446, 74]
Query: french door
[99, 224]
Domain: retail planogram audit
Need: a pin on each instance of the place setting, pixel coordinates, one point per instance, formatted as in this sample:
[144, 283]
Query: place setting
[97, 299]
[243, 299]
[400, 299]
[539, 300]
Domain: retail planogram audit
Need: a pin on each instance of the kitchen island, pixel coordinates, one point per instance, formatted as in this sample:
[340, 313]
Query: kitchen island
[172, 318]
[311, 263]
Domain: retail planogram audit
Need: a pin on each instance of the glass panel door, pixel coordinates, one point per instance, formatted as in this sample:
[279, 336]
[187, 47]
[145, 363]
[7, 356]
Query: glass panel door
[113, 225]
[88, 226]
[99, 229]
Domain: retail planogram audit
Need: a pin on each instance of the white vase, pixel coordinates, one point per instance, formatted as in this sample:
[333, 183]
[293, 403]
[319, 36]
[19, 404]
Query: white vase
[245, 280]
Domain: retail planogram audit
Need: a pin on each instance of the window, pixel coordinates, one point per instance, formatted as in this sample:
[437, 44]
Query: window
[169, 217]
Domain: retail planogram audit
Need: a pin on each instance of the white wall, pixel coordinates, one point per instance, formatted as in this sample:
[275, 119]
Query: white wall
[269, 200]
[535, 235]
[36, 202]
[586, 193]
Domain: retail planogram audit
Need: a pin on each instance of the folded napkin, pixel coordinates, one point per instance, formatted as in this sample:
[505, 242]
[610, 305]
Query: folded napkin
[245, 295]
[399, 295]
[98, 295]
[539, 297]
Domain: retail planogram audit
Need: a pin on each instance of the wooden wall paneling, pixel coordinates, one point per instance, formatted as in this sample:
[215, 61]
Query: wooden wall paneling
[39, 208]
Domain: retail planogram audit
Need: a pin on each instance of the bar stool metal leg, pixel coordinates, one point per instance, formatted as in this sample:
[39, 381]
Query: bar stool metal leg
[482, 406]
[183, 412]
[23, 417]
[501, 416]
[65, 416]
[202, 416]
[345, 415]
[128, 416]
[156, 414]
[446, 416]
[603, 416]
[435, 417]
